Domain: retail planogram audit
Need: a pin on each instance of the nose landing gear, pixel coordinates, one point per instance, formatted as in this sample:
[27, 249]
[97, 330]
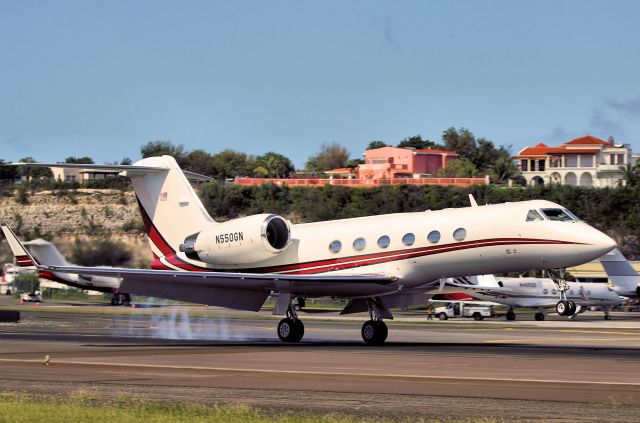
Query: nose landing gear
[564, 307]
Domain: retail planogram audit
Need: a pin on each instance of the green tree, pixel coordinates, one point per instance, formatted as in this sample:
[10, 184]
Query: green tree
[161, 148]
[80, 160]
[33, 172]
[331, 156]
[8, 172]
[376, 144]
[504, 169]
[126, 161]
[460, 168]
[418, 143]
[231, 163]
[199, 161]
[100, 252]
[631, 174]
[276, 165]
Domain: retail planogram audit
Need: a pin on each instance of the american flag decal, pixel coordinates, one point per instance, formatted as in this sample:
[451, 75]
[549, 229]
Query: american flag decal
[163, 196]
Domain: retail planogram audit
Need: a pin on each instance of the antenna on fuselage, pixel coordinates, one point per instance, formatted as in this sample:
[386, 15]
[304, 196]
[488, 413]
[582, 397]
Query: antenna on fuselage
[473, 201]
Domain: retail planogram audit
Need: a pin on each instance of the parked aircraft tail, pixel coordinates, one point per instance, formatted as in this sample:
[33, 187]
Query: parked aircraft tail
[22, 256]
[624, 278]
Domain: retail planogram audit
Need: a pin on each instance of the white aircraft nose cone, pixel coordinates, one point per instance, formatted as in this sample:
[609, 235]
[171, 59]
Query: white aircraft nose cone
[602, 243]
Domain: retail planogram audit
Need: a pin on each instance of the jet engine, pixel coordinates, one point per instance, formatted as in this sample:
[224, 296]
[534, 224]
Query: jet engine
[246, 240]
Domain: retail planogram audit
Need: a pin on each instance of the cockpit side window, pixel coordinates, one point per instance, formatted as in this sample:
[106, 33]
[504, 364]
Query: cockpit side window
[558, 215]
[533, 216]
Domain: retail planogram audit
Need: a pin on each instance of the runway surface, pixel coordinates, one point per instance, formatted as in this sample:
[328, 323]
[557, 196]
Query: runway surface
[530, 371]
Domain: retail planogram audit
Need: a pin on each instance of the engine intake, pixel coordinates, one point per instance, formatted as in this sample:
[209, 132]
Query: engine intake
[246, 240]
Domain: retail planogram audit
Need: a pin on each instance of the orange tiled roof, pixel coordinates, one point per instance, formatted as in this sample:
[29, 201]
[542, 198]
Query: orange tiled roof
[587, 140]
[543, 151]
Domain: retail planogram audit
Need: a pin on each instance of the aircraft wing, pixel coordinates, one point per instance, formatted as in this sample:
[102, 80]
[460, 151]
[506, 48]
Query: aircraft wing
[242, 291]
[451, 283]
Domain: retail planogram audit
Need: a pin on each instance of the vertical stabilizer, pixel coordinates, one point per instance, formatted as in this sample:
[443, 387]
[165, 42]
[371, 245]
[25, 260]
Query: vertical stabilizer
[623, 277]
[171, 210]
[22, 256]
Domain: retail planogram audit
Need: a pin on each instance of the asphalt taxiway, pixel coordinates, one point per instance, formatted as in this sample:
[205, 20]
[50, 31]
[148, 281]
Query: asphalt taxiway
[551, 371]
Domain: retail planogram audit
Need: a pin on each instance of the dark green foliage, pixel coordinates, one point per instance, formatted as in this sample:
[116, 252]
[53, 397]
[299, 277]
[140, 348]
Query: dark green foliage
[376, 144]
[100, 252]
[331, 156]
[276, 165]
[82, 160]
[160, 148]
[418, 143]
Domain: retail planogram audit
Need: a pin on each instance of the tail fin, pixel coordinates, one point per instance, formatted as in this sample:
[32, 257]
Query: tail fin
[22, 256]
[623, 276]
[170, 208]
[45, 252]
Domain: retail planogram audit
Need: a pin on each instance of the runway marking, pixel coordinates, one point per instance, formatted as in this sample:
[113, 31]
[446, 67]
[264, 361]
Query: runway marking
[321, 374]
[538, 341]
[600, 332]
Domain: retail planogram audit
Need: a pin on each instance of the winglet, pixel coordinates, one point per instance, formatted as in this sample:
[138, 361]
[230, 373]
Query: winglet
[23, 258]
[473, 201]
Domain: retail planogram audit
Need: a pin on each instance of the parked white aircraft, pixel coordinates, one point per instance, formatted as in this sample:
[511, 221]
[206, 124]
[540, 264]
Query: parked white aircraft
[376, 262]
[45, 252]
[540, 293]
[624, 278]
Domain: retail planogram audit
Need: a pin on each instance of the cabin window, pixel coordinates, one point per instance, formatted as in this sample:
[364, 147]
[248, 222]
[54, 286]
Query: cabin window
[533, 216]
[554, 292]
[359, 244]
[408, 239]
[545, 291]
[460, 234]
[384, 241]
[433, 237]
[558, 215]
[335, 246]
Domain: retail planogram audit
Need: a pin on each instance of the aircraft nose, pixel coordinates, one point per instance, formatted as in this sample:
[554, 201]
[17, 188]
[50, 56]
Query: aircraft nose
[601, 242]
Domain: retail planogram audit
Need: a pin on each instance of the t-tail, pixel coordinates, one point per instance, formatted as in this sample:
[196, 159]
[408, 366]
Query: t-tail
[624, 278]
[22, 256]
[169, 206]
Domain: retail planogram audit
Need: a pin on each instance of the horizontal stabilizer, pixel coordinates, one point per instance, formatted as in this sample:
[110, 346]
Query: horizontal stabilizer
[129, 170]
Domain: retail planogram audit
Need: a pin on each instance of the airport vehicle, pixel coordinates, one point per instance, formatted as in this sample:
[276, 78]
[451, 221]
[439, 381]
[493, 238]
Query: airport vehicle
[32, 296]
[463, 309]
[624, 279]
[376, 262]
[540, 293]
[45, 252]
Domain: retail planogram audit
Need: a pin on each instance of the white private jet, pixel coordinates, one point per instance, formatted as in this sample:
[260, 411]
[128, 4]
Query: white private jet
[540, 293]
[45, 252]
[376, 262]
[624, 278]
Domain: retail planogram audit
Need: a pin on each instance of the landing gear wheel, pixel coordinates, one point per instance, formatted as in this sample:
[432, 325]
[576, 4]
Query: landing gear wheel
[477, 316]
[115, 300]
[443, 316]
[539, 317]
[607, 317]
[290, 330]
[374, 332]
[572, 308]
[511, 315]
[126, 300]
[562, 308]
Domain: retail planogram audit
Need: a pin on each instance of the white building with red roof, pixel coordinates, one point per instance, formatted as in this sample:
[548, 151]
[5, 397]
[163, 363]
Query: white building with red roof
[586, 161]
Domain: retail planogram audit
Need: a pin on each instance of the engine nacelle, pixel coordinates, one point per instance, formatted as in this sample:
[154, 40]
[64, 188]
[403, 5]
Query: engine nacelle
[245, 240]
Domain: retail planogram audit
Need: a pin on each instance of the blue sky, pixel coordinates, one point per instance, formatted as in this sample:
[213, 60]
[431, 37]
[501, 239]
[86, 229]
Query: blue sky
[101, 78]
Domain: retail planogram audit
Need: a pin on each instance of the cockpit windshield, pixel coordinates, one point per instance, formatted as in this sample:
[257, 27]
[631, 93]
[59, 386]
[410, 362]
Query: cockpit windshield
[559, 215]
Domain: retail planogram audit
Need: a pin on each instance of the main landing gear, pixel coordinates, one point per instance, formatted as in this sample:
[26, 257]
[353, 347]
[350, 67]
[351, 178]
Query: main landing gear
[121, 299]
[564, 307]
[374, 331]
[290, 329]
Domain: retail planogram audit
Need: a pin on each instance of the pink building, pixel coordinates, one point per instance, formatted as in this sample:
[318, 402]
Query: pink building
[395, 162]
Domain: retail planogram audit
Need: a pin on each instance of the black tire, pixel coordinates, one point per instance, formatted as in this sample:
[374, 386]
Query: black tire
[572, 308]
[290, 330]
[562, 307]
[115, 301]
[539, 317]
[607, 317]
[511, 315]
[443, 316]
[374, 332]
[477, 316]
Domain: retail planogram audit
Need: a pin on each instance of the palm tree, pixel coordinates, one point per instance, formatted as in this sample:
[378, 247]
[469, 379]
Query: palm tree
[631, 174]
